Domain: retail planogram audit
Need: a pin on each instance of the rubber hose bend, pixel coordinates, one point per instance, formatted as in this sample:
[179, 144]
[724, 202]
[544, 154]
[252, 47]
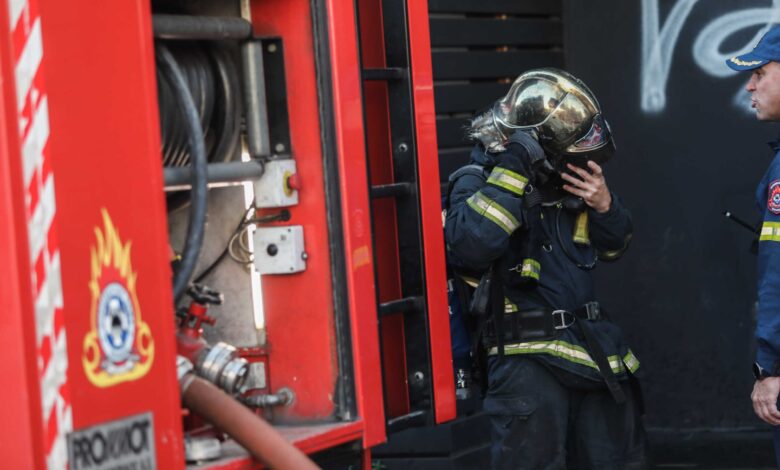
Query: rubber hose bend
[258, 437]
[195, 228]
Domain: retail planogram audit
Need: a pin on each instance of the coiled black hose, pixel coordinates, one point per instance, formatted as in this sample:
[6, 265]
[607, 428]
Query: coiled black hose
[169, 69]
[211, 74]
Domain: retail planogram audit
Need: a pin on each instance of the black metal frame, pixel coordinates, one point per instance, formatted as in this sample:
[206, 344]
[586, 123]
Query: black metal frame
[276, 97]
[404, 189]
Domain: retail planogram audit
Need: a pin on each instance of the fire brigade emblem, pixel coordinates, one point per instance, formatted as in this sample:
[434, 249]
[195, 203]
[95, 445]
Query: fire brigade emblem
[773, 201]
[119, 346]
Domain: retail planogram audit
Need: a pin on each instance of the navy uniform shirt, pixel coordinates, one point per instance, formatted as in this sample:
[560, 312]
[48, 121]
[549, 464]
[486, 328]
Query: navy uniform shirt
[768, 326]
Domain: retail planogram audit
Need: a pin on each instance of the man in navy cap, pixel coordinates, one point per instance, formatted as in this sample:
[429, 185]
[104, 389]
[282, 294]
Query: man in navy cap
[764, 87]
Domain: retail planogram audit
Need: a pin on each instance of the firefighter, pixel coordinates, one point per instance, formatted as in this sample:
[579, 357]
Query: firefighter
[764, 88]
[526, 221]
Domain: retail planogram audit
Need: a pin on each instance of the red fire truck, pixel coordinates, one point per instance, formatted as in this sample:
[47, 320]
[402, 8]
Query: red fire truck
[219, 215]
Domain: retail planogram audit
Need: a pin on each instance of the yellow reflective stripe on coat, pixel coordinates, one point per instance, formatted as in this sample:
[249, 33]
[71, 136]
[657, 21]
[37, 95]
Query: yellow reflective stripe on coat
[531, 268]
[631, 362]
[509, 180]
[493, 211]
[581, 235]
[570, 352]
[770, 231]
[528, 268]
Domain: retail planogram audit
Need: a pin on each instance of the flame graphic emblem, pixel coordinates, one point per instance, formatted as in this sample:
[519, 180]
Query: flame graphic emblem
[119, 346]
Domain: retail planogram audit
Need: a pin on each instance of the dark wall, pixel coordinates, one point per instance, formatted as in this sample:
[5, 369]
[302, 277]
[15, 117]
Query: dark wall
[685, 291]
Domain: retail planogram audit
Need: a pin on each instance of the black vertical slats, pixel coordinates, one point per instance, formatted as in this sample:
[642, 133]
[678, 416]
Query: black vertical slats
[410, 244]
[478, 48]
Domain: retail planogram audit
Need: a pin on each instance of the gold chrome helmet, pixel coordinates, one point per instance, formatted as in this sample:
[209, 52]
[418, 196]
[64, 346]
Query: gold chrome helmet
[562, 111]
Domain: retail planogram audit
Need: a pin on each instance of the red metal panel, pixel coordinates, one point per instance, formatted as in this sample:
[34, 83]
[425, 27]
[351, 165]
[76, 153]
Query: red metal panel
[22, 435]
[350, 141]
[303, 356]
[105, 139]
[299, 307]
[378, 137]
[430, 209]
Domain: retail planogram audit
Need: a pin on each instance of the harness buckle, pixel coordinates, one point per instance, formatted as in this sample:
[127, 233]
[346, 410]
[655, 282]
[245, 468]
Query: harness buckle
[592, 310]
[563, 319]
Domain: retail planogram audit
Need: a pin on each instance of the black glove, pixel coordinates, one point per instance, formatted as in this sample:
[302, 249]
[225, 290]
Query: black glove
[522, 152]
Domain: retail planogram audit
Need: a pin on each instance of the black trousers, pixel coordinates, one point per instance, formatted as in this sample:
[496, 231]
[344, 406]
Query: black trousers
[549, 419]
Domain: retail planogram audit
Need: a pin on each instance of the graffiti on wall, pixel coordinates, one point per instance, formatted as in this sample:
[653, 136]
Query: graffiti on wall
[659, 41]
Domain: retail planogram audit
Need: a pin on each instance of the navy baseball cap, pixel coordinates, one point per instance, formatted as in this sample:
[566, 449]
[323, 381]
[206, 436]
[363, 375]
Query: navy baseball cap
[767, 50]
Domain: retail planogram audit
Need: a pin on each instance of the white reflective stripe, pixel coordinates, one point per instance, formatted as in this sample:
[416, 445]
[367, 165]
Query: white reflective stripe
[55, 374]
[28, 64]
[39, 224]
[58, 455]
[508, 179]
[49, 299]
[510, 223]
[493, 211]
[557, 346]
[15, 9]
[34, 143]
[562, 349]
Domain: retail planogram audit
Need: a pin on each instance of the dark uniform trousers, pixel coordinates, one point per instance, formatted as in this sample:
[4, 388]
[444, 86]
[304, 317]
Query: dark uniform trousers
[559, 420]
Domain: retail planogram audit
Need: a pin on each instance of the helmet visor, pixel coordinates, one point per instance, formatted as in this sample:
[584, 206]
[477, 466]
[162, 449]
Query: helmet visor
[597, 137]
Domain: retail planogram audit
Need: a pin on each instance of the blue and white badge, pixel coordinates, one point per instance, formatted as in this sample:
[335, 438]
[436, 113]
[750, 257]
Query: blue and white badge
[116, 328]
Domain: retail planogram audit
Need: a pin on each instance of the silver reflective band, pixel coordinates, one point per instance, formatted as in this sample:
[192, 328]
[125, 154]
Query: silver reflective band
[770, 231]
[509, 180]
[570, 352]
[491, 210]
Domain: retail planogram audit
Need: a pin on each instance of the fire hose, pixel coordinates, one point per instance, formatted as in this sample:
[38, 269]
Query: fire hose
[258, 437]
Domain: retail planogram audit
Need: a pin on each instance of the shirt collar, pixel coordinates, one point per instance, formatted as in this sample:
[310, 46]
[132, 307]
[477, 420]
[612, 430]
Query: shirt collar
[774, 145]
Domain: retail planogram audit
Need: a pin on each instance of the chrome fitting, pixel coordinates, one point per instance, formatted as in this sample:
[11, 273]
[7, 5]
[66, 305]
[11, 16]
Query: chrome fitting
[283, 397]
[184, 369]
[221, 366]
[234, 375]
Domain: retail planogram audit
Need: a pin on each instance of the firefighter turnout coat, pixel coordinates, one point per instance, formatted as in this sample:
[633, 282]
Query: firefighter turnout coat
[546, 251]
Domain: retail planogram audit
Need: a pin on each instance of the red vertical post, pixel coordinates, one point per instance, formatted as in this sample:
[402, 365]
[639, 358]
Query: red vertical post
[430, 209]
[351, 146]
